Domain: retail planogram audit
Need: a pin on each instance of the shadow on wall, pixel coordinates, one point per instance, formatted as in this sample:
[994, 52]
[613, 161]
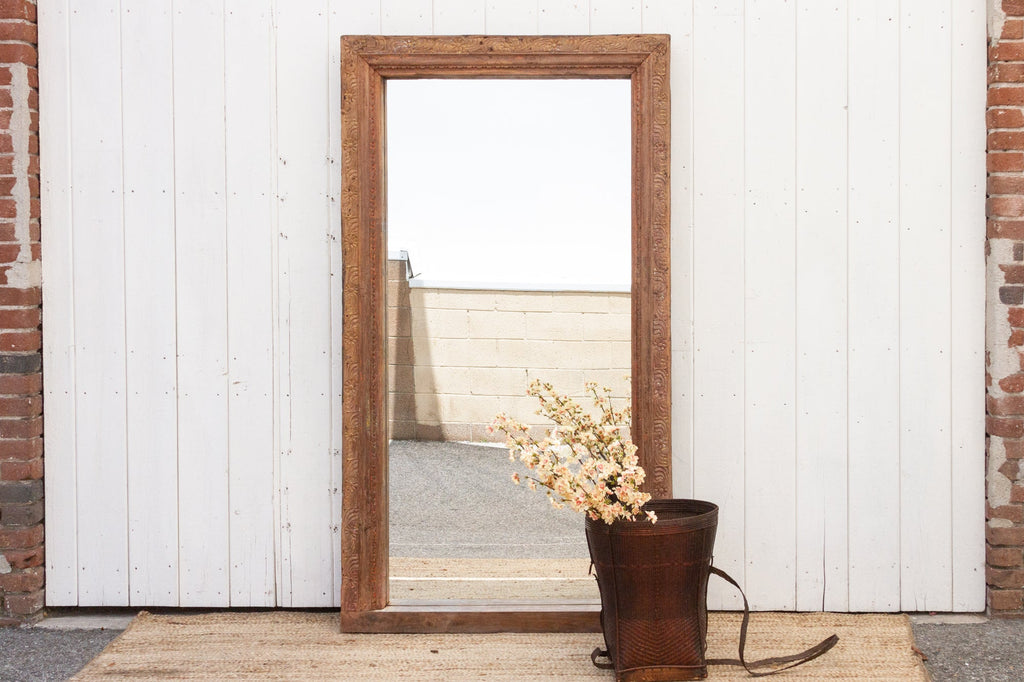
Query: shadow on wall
[457, 357]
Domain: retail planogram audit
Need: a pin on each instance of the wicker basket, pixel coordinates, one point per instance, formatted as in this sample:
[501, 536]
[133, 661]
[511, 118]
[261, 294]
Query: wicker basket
[653, 580]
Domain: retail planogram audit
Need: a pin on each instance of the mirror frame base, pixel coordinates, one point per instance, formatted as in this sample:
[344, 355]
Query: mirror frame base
[422, 617]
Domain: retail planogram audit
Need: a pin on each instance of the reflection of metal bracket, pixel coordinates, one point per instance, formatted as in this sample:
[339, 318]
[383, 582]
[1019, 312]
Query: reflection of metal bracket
[403, 255]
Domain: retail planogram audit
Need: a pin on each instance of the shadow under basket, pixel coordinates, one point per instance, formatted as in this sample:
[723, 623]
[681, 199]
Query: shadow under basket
[653, 580]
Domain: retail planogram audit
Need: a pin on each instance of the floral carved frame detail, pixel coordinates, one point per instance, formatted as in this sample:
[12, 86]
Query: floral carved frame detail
[366, 63]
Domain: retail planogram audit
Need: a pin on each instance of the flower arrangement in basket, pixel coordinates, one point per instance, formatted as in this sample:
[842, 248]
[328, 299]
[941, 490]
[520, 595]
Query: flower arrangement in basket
[586, 463]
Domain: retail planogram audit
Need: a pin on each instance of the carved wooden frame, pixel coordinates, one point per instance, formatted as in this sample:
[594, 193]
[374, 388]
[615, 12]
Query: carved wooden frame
[366, 62]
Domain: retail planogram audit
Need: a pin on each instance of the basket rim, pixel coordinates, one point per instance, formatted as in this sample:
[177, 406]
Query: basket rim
[701, 515]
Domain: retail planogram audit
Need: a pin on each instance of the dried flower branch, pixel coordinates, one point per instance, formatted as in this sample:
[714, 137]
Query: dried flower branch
[590, 465]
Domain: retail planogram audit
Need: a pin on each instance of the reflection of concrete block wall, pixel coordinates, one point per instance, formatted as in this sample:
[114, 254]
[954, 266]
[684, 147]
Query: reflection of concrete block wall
[457, 357]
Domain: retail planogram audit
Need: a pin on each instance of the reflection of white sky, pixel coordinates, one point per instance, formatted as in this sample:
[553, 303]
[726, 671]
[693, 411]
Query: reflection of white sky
[513, 181]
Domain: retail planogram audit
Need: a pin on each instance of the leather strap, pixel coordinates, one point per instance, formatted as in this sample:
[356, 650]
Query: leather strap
[601, 653]
[793, 660]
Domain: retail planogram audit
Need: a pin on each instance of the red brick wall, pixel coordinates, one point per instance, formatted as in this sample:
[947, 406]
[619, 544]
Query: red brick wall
[21, 448]
[1005, 357]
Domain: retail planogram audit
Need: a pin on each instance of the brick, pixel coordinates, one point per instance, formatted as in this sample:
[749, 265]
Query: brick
[997, 162]
[21, 514]
[33, 340]
[1007, 95]
[21, 448]
[1010, 512]
[28, 470]
[1005, 557]
[1006, 118]
[1013, 29]
[1015, 316]
[28, 580]
[20, 492]
[1006, 184]
[1011, 273]
[1004, 72]
[1005, 537]
[998, 207]
[18, 9]
[21, 538]
[1005, 578]
[24, 406]
[20, 53]
[1006, 600]
[23, 32]
[1010, 468]
[23, 428]
[1014, 449]
[20, 363]
[1010, 295]
[1013, 7]
[29, 318]
[1005, 229]
[24, 604]
[1005, 51]
[1007, 405]
[1016, 338]
[1011, 384]
[24, 558]
[15, 296]
[1016, 494]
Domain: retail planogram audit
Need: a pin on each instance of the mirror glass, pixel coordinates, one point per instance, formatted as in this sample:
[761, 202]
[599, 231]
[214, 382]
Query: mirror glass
[508, 224]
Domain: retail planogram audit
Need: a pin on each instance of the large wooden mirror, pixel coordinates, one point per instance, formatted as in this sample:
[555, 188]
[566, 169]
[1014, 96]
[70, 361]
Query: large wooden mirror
[367, 63]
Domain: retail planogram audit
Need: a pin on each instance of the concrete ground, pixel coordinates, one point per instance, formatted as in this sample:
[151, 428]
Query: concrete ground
[445, 512]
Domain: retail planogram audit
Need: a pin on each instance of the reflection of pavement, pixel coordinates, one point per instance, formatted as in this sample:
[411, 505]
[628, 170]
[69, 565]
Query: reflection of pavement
[457, 500]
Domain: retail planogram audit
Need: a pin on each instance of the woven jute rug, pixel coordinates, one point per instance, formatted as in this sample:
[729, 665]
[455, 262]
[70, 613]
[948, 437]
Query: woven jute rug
[284, 645]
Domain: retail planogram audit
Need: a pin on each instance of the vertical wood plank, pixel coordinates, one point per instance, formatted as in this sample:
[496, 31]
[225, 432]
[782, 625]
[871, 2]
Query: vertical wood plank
[821, 316]
[406, 17]
[249, 162]
[98, 280]
[147, 106]
[458, 17]
[874, 317]
[55, 144]
[307, 540]
[718, 248]
[511, 17]
[968, 305]
[615, 16]
[201, 265]
[676, 19]
[563, 17]
[770, 304]
[925, 301]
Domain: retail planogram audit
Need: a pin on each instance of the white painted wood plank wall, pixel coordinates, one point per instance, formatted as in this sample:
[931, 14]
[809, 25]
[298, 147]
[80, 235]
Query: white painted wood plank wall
[828, 290]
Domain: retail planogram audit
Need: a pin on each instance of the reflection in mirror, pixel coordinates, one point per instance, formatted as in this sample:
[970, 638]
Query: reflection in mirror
[508, 213]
